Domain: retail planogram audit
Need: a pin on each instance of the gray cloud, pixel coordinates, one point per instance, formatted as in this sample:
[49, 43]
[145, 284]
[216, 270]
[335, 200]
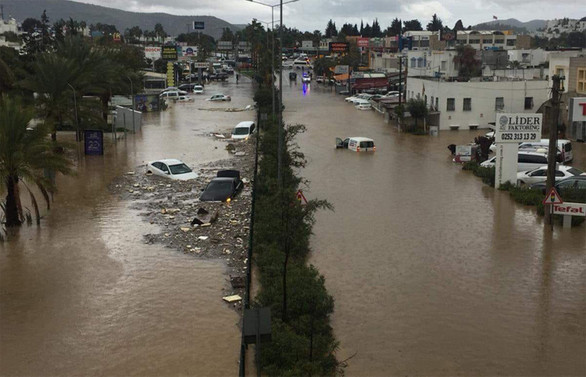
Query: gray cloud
[314, 14]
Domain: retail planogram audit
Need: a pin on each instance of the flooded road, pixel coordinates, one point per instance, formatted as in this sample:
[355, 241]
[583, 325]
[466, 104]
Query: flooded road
[84, 295]
[433, 272]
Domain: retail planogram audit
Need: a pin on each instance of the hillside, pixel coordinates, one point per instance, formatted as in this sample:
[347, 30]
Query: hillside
[92, 14]
[512, 23]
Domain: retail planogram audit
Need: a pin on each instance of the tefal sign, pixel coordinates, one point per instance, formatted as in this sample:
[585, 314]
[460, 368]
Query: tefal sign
[578, 109]
[573, 209]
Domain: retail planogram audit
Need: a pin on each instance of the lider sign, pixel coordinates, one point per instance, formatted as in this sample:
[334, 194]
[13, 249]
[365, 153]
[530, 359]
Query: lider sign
[517, 128]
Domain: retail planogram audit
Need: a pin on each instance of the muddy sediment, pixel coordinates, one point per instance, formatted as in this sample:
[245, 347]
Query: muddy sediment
[173, 205]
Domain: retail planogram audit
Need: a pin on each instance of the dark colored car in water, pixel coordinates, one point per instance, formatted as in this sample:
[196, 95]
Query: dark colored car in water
[222, 188]
[575, 183]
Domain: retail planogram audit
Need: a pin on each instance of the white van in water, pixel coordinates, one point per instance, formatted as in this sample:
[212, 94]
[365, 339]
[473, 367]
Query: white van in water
[356, 144]
[564, 148]
[243, 130]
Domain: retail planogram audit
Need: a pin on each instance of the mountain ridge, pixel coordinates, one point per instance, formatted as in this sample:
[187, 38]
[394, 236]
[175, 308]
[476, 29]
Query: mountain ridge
[92, 14]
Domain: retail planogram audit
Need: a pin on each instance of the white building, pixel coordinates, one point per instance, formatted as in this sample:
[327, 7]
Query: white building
[431, 64]
[8, 26]
[554, 28]
[559, 64]
[463, 105]
[528, 58]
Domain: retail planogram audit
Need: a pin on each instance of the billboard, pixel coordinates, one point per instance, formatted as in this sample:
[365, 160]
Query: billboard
[146, 103]
[306, 44]
[338, 46]
[188, 50]
[152, 52]
[169, 52]
[198, 25]
[517, 128]
[362, 42]
[224, 45]
[341, 69]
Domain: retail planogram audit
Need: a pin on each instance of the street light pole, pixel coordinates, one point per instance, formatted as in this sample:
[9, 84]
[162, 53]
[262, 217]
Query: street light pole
[77, 136]
[132, 96]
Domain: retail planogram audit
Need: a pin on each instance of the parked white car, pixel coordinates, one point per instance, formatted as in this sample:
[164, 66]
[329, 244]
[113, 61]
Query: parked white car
[540, 174]
[185, 99]
[172, 169]
[525, 161]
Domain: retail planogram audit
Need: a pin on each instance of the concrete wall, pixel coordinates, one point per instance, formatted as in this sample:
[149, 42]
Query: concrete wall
[483, 97]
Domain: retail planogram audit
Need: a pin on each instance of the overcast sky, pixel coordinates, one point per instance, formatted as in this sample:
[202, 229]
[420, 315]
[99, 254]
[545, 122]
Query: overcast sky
[309, 15]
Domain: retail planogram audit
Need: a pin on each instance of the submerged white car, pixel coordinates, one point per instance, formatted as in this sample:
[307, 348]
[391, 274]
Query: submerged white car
[172, 169]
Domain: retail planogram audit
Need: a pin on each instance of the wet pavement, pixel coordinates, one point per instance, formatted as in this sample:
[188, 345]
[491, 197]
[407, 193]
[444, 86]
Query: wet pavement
[433, 272]
[84, 294]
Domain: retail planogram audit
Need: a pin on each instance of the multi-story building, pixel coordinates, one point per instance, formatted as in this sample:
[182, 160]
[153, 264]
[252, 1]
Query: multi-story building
[437, 64]
[487, 39]
[474, 104]
[559, 64]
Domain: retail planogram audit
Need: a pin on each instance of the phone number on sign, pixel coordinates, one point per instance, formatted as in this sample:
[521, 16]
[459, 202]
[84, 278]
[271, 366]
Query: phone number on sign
[520, 136]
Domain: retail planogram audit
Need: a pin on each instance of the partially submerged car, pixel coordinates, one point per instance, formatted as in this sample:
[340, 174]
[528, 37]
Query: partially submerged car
[540, 174]
[172, 169]
[243, 130]
[356, 144]
[219, 97]
[222, 188]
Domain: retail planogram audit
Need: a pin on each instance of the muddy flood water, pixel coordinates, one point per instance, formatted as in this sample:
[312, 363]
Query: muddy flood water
[85, 295]
[433, 272]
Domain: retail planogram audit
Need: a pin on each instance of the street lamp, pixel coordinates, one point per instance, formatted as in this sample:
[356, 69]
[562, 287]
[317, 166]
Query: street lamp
[77, 136]
[280, 111]
[132, 96]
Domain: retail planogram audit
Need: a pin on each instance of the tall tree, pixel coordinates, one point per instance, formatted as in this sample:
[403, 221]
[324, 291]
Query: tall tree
[367, 31]
[331, 30]
[435, 24]
[466, 62]
[395, 28]
[227, 35]
[24, 154]
[159, 31]
[412, 25]
[459, 26]
[376, 30]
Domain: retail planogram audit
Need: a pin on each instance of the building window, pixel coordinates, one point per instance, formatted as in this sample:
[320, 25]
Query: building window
[499, 41]
[581, 84]
[443, 65]
[467, 104]
[487, 41]
[511, 42]
[413, 62]
[499, 103]
[451, 104]
[528, 103]
[419, 62]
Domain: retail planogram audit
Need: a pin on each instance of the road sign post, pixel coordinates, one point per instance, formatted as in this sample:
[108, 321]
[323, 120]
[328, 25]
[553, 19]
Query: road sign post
[551, 199]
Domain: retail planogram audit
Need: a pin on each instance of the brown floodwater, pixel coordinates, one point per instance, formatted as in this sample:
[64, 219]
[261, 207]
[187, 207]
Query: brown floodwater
[433, 272]
[84, 295]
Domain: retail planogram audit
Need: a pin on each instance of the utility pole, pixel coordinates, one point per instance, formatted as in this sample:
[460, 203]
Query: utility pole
[280, 110]
[556, 94]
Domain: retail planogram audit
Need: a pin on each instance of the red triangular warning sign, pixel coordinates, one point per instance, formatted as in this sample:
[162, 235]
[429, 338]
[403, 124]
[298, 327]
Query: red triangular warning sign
[301, 197]
[553, 197]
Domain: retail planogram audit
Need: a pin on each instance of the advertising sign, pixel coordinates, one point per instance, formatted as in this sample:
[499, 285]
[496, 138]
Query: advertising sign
[578, 109]
[152, 52]
[362, 42]
[146, 103]
[338, 46]
[93, 142]
[341, 69]
[198, 25]
[306, 44]
[169, 52]
[224, 45]
[573, 209]
[189, 50]
[517, 128]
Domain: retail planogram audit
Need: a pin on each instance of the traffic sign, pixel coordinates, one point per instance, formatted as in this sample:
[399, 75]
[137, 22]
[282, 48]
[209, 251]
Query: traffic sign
[553, 197]
[301, 197]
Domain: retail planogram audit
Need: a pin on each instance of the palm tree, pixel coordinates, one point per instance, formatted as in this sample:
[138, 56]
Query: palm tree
[24, 154]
